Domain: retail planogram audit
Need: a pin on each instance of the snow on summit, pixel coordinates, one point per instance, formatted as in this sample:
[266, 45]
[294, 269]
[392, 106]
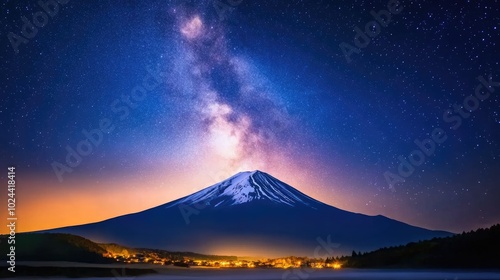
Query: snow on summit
[245, 187]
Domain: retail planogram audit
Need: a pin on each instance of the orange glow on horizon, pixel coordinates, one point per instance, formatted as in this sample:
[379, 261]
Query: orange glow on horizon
[44, 203]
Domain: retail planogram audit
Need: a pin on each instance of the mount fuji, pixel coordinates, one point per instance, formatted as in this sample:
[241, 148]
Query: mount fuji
[251, 214]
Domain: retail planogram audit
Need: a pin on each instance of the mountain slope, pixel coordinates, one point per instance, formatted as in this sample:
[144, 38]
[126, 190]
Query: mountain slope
[251, 214]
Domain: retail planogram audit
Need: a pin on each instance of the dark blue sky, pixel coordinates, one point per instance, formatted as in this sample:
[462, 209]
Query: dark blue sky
[263, 86]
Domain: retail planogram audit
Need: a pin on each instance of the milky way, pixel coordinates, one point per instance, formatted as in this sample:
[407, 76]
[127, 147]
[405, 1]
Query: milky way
[243, 124]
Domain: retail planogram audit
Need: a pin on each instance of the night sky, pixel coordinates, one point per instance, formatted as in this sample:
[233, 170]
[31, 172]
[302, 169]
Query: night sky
[187, 93]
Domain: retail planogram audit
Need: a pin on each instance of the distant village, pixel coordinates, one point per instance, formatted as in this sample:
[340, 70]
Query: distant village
[289, 262]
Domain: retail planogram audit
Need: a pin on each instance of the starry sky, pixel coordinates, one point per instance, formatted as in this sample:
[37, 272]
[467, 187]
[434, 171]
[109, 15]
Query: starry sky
[160, 99]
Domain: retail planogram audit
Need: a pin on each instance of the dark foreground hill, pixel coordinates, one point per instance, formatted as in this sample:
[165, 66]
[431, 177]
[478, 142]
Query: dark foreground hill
[53, 247]
[475, 249]
[73, 248]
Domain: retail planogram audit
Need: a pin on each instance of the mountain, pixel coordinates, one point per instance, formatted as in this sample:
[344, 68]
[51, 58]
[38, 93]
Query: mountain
[252, 214]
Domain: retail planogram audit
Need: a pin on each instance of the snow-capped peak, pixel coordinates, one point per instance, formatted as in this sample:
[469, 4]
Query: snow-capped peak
[246, 187]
